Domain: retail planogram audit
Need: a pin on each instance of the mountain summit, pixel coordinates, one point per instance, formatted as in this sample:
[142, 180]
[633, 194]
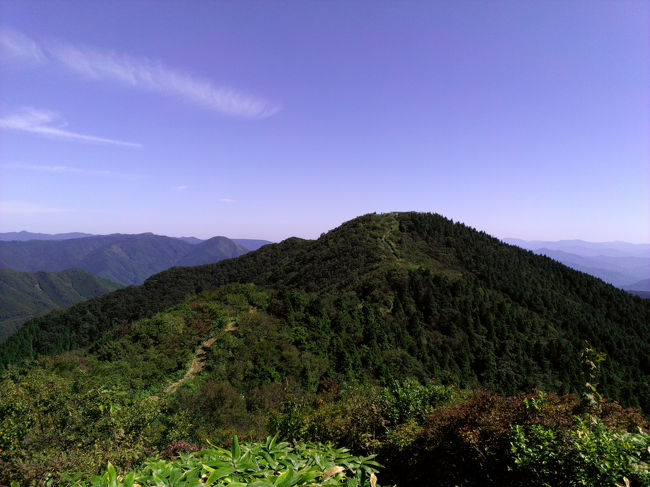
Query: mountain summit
[422, 295]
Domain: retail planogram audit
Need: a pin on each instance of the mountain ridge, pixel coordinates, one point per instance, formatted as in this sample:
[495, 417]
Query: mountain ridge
[619, 263]
[458, 302]
[122, 258]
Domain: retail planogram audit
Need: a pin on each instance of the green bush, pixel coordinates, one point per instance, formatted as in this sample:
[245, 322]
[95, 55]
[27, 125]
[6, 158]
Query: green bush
[589, 454]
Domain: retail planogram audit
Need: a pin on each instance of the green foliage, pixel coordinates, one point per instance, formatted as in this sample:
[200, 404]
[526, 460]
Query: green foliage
[266, 464]
[408, 399]
[589, 454]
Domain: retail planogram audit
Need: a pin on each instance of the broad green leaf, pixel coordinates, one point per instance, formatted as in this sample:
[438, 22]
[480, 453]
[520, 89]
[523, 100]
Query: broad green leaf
[236, 452]
[218, 474]
[260, 483]
[129, 480]
[111, 475]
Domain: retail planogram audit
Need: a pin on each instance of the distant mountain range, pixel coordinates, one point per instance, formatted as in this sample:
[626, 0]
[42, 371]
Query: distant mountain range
[24, 295]
[622, 264]
[24, 236]
[125, 259]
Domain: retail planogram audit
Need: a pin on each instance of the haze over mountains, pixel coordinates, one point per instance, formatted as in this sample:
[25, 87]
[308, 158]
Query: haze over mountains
[625, 265]
[124, 259]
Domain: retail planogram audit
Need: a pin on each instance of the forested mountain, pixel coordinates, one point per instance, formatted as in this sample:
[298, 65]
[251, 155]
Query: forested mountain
[404, 294]
[212, 250]
[125, 259]
[24, 295]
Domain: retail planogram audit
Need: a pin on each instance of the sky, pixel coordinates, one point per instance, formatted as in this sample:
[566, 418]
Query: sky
[251, 119]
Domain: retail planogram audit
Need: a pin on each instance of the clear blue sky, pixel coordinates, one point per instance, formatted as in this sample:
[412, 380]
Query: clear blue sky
[525, 119]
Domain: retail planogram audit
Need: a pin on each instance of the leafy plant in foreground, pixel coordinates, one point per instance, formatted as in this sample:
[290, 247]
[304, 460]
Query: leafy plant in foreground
[265, 464]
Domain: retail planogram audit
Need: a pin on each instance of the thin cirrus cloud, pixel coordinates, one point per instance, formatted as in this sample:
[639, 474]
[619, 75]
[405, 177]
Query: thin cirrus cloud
[226, 200]
[139, 72]
[15, 45]
[43, 122]
[70, 170]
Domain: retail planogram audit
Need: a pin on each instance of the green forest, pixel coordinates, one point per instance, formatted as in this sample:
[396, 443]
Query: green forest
[435, 352]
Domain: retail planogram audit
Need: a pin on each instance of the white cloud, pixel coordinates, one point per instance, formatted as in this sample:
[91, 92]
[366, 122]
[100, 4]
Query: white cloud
[226, 200]
[141, 73]
[45, 123]
[24, 207]
[17, 46]
[154, 76]
[69, 170]
[180, 188]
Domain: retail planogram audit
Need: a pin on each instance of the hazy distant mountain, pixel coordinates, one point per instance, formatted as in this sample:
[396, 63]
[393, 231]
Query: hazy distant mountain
[619, 263]
[643, 285]
[24, 236]
[24, 295]
[251, 244]
[586, 249]
[212, 250]
[126, 259]
[191, 240]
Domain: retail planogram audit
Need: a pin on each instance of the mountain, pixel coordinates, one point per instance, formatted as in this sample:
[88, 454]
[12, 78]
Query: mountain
[24, 295]
[618, 263]
[125, 259]
[250, 244]
[643, 285]
[191, 240]
[394, 295]
[585, 249]
[24, 236]
[212, 250]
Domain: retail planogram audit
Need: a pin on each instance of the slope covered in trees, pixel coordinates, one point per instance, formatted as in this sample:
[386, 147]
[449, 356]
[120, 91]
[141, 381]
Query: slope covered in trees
[414, 294]
[24, 295]
[306, 367]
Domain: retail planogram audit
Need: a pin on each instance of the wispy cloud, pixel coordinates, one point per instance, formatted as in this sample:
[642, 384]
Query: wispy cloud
[180, 188]
[226, 200]
[70, 170]
[16, 46]
[25, 207]
[49, 124]
[142, 73]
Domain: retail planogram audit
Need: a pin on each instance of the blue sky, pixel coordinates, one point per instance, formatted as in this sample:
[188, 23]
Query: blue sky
[524, 119]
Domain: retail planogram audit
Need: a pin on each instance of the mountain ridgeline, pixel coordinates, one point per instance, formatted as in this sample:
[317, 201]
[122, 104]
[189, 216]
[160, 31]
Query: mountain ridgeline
[402, 294]
[125, 259]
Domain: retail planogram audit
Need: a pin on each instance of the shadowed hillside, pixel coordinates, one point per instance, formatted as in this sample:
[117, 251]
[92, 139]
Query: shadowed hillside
[24, 295]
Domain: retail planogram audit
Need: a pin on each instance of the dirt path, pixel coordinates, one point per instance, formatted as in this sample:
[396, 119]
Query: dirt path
[390, 244]
[195, 367]
[198, 362]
